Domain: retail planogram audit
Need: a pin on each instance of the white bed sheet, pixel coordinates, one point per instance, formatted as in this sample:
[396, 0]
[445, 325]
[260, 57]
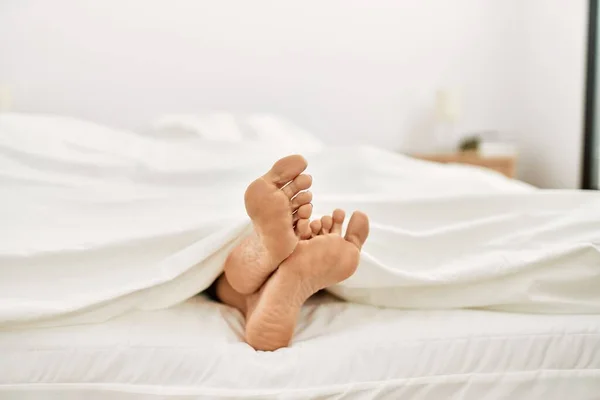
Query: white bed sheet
[117, 221]
[341, 350]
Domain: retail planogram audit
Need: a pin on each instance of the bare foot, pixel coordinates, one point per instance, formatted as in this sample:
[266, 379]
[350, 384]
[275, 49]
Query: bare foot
[315, 264]
[279, 208]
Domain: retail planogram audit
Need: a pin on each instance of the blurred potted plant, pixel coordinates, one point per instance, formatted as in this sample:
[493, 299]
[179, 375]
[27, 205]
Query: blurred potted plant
[469, 144]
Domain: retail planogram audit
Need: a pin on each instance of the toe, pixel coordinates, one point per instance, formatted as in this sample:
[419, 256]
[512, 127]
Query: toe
[338, 221]
[358, 229]
[326, 223]
[303, 229]
[315, 227]
[303, 212]
[301, 182]
[301, 199]
[286, 169]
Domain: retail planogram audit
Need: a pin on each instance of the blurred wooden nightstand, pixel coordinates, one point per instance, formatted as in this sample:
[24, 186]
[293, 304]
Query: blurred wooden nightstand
[506, 165]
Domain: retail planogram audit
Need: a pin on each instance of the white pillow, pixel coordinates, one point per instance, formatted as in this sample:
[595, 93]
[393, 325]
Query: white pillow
[229, 127]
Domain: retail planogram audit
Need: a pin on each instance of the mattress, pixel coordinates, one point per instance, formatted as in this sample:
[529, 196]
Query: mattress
[341, 350]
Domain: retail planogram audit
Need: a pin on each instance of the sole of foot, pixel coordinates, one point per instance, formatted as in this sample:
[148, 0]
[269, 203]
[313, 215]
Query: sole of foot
[324, 260]
[279, 206]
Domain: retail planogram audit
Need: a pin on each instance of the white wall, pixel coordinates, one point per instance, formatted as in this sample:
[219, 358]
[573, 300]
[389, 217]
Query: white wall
[551, 112]
[357, 71]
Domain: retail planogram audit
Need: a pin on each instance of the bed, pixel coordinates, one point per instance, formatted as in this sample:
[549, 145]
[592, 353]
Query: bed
[105, 247]
[341, 351]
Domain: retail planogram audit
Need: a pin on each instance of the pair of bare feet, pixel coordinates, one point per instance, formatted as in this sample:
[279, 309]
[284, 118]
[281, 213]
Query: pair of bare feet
[288, 258]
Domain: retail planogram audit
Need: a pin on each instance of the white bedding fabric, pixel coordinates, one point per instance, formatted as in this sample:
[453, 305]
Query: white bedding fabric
[227, 127]
[340, 351]
[96, 222]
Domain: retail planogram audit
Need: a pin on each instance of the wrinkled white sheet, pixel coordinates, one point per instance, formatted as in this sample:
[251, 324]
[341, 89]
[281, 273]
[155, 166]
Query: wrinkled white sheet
[95, 222]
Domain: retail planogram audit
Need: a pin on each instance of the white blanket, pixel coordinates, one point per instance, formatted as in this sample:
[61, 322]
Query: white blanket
[95, 222]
